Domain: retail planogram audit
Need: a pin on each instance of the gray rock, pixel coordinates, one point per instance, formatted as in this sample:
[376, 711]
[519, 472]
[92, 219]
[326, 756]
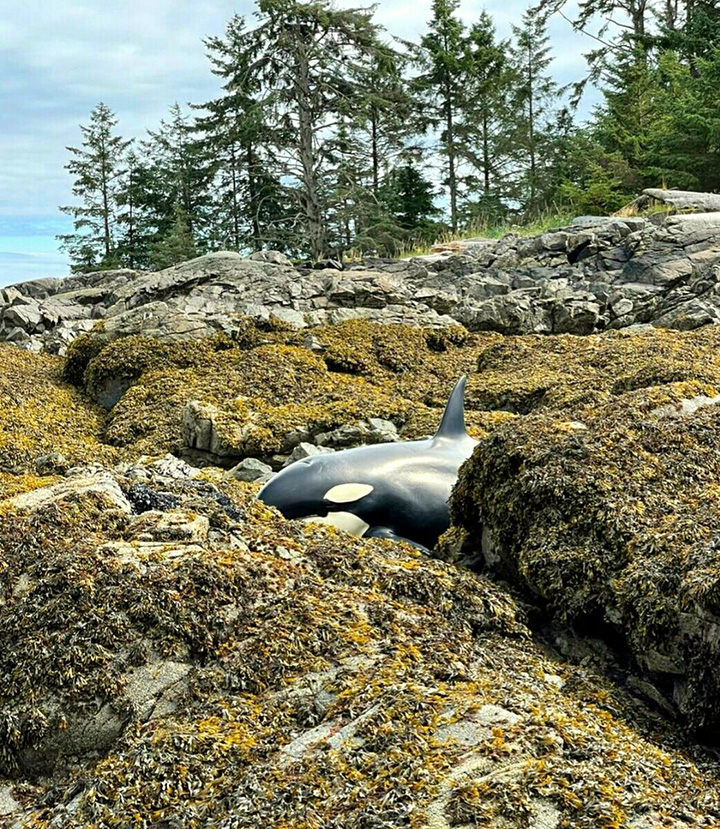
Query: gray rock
[690, 315]
[306, 450]
[344, 436]
[622, 306]
[294, 438]
[26, 316]
[98, 482]
[382, 431]
[250, 470]
[575, 316]
[684, 199]
[154, 689]
[199, 430]
[570, 279]
[272, 256]
[174, 468]
[8, 804]
[51, 464]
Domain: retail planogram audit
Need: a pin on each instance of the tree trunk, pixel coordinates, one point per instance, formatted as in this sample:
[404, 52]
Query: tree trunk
[450, 149]
[531, 130]
[313, 208]
[253, 198]
[375, 153]
[486, 154]
[235, 217]
[131, 222]
[106, 202]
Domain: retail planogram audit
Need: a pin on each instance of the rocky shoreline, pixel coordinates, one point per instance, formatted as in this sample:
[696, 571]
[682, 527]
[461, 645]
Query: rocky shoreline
[174, 651]
[598, 274]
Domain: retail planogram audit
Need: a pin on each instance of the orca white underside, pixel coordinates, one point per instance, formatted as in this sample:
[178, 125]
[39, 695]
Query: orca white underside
[345, 521]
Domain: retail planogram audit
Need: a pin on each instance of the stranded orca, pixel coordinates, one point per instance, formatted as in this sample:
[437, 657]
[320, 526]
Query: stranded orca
[390, 490]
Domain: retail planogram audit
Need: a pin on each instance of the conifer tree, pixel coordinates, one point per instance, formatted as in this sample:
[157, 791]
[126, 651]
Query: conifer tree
[350, 187]
[443, 59]
[535, 102]
[177, 245]
[404, 215]
[682, 147]
[487, 132]
[303, 51]
[135, 225]
[180, 172]
[96, 166]
[409, 197]
[250, 209]
[624, 121]
[383, 112]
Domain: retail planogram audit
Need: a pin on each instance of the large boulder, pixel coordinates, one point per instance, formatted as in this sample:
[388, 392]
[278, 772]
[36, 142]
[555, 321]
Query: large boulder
[680, 200]
[602, 503]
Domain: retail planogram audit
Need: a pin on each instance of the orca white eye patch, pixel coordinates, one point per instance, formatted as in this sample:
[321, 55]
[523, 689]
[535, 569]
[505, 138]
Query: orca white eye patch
[347, 493]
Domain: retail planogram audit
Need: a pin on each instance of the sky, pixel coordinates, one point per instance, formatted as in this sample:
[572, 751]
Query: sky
[59, 59]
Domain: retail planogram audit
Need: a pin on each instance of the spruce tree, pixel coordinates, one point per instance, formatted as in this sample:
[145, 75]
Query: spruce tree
[486, 133]
[404, 215]
[409, 197]
[180, 172]
[624, 121]
[304, 55]
[535, 102]
[96, 166]
[383, 112]
[135, 197]
[441, 85]
[177, 245]
[682, 148]
[251, 211]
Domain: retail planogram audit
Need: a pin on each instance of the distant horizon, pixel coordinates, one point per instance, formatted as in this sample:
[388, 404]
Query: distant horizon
[152, 56]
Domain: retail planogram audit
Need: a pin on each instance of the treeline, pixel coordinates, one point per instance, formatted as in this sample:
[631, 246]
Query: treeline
[657, 63]
[330, 136]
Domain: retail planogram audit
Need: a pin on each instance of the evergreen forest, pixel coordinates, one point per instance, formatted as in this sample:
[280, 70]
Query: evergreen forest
[330, 138]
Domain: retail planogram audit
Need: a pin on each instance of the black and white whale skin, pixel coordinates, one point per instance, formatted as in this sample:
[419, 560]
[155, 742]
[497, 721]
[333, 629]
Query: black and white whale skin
[390, 490]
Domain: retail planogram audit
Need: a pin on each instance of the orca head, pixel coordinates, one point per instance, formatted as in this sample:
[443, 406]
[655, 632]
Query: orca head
[315, 487]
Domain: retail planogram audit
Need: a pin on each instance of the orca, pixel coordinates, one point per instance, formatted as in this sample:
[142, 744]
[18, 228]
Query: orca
[389, 490]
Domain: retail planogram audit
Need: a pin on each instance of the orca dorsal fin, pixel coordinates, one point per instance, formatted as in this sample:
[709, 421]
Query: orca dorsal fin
[452, 424]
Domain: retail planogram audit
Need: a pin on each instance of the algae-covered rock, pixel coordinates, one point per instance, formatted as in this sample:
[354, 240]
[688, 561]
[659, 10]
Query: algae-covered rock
[271, 673]
[172, 649]
[264, 394]
[603, 502]
[41, 415]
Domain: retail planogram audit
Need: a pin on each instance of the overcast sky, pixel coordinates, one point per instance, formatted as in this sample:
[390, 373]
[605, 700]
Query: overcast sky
[59, 59]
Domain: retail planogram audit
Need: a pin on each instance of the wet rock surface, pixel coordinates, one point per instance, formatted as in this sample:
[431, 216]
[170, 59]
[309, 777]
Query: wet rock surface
[249, 671]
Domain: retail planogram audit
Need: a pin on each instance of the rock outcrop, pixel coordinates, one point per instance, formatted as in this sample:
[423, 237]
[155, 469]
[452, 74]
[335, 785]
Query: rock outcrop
[598, 273]
[200, 661]
[602, 502]
[174, 653]
[684, 201]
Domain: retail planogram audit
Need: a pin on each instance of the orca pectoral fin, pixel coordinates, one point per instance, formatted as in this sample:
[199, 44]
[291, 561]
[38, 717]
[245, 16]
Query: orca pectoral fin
[385, 532]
